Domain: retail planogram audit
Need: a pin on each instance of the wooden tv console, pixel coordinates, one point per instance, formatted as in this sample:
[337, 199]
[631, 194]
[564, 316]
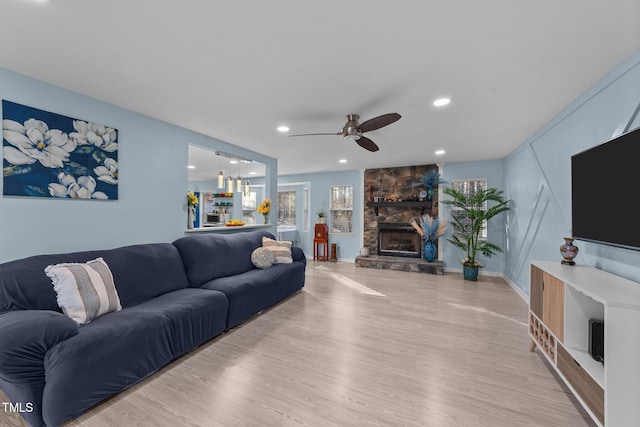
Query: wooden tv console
[562, 301]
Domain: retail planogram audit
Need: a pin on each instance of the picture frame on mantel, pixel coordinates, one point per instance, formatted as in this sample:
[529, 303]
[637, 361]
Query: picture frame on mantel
[50, 155]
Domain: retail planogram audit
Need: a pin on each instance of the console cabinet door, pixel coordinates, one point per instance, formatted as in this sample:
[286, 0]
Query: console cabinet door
[535, 291]
[553, 305]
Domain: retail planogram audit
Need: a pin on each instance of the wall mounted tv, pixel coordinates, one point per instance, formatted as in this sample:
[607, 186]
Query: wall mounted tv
[605, 187]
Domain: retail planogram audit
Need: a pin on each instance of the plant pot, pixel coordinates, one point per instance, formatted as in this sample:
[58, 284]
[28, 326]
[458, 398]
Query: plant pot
[470, 272]
[429, 251]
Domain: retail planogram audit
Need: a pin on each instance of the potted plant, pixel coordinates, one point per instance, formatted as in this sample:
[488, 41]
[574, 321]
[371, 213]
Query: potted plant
[469, 214]
[321, 215]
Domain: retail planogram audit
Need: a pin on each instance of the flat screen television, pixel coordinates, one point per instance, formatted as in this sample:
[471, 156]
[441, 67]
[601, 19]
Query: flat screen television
[605, 190]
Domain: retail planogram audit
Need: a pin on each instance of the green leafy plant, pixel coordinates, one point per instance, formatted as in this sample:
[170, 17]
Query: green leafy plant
[469, 216]
[322, 213]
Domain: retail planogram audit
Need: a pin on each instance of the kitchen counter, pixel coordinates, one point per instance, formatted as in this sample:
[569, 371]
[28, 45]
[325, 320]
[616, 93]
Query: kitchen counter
[227, 228]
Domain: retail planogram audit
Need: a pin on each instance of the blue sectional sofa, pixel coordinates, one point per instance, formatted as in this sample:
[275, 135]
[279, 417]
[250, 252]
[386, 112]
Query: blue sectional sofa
[174, 297]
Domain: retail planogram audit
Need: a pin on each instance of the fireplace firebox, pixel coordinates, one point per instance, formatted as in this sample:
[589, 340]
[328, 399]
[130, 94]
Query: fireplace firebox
[399, 239]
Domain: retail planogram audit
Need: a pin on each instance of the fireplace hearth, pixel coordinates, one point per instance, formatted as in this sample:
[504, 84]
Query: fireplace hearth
[399, 239]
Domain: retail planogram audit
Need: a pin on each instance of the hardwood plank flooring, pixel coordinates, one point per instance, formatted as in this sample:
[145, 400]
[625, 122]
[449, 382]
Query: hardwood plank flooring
[359, 347]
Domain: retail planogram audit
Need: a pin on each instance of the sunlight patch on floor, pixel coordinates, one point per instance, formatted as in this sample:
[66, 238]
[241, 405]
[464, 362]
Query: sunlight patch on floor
[484, 310]
[358, 287]
[350, 283]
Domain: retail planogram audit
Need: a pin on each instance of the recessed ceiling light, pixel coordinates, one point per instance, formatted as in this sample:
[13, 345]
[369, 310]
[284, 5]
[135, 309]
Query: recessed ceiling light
[343, 160]
[283, 129]
[439, 152]
[252, 173]
[191, 167]
[441, 102]
[233, 162]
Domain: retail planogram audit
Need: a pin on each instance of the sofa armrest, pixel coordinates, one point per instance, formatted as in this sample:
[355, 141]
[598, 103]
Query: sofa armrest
[25, 338]
[298, 255]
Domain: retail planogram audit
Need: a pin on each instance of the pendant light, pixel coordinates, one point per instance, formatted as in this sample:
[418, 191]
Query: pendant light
[239, 184]
[220, 179]
[246, 189]
[230, 185]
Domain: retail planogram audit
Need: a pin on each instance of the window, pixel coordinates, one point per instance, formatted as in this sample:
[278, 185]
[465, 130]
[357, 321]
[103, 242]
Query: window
[287, 208]
[305, 210]
[249, 208]
[469, 187]
[341, 209]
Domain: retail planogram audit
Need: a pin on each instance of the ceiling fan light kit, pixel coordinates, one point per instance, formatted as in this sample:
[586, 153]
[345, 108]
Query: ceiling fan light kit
[353, 130]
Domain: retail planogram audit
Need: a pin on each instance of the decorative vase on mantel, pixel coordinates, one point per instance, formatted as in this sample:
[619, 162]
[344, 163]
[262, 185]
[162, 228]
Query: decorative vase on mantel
[568, 251]
[429, 250]
[429, 194]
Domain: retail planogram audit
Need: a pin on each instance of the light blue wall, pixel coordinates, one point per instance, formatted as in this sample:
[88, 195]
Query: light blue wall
[152, 181]
[538, 179]
[493, 172]
[348, 244]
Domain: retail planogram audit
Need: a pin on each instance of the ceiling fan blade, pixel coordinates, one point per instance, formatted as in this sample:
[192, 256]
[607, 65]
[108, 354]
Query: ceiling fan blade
[379, 122]
[367, 144]
[310, 134]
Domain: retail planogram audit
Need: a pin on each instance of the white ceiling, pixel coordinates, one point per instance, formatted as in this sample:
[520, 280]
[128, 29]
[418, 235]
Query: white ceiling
[235, 70]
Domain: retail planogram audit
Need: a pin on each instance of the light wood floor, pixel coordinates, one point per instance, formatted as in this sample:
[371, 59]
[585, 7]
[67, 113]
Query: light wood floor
[359, 347]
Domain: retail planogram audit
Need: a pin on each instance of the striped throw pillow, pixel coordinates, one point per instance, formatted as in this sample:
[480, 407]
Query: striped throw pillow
[85, 290]
[281, 250]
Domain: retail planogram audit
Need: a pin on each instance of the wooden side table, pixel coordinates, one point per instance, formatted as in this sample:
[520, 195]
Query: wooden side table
[321, 237]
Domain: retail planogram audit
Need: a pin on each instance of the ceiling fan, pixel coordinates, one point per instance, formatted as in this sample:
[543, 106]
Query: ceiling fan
[354, 130]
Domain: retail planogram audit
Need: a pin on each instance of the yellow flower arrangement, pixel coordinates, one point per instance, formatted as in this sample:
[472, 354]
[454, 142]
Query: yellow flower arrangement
[265, 207]
[192, 200]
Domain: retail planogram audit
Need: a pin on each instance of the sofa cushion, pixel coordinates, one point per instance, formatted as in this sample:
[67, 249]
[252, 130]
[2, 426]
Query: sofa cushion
[281, 250]
[253, 291]
[262, 258]
[140, 272]
[210, 256]
[85, 290]
[25, 338]
[120, 348]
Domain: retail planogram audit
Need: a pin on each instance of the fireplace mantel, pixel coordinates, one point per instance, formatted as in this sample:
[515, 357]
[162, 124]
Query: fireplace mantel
[425, 204]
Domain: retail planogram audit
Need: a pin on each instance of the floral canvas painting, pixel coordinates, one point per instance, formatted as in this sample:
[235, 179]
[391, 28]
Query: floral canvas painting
[50, 155]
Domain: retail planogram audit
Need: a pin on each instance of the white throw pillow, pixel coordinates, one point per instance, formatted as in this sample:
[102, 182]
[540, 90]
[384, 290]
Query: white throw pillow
[85, 290]
[281, 250]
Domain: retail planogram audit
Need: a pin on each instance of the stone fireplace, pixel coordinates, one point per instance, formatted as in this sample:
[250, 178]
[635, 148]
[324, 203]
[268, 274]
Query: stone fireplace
[398, 193]
[392, 199]
[399, 239]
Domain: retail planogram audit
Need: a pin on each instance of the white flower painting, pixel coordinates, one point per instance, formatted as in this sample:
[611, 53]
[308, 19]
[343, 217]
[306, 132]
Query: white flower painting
[49, 155]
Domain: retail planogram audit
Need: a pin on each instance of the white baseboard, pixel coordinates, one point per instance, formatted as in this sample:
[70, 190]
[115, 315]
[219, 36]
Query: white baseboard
[517, 289]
